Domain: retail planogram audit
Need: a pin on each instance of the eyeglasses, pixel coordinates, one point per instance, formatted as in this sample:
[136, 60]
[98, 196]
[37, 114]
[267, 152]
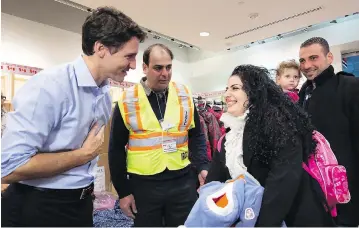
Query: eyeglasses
[3, 97]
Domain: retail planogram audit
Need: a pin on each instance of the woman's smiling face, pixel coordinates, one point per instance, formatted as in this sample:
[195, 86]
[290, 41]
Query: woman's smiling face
[236, 97]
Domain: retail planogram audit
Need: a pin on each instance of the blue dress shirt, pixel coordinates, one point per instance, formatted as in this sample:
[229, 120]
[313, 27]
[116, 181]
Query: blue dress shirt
[54, 111]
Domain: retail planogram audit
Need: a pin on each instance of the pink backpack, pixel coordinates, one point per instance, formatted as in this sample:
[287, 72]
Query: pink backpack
[331, 177]
[324, 168]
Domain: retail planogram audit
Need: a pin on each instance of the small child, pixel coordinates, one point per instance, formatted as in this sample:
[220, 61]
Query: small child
[288, 76]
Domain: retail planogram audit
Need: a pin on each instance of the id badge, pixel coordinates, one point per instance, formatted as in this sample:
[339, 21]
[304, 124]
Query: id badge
[169, 146]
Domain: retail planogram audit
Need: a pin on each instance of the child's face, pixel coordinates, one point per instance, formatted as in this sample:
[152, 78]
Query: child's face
[289, 79]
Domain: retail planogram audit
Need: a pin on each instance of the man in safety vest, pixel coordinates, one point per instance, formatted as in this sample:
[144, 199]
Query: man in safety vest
[159, 123]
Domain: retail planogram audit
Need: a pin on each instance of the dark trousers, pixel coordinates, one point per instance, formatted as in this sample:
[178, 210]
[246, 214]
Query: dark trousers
[22, 205]
[163, 203]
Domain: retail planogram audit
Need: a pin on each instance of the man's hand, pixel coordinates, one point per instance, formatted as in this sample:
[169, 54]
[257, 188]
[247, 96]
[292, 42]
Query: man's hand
[92, 145]
[4, 187]
[202, 177]
[44, 165]
[128, 206]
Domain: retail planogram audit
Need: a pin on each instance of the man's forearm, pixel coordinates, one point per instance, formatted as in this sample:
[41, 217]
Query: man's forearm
[197, 147]
[44, 165]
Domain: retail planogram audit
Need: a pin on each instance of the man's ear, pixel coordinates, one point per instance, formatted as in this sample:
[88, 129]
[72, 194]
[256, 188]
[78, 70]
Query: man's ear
[330, 57]
[99, 49]
[144, 68]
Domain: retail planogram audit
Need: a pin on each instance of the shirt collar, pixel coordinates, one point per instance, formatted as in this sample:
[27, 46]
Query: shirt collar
[145, 87]
[84, 76]
[148, 90]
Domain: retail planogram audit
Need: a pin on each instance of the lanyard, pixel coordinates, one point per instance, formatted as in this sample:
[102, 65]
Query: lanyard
[159, 106]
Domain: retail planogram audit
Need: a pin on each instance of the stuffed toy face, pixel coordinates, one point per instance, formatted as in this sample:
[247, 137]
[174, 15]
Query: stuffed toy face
[224, 204]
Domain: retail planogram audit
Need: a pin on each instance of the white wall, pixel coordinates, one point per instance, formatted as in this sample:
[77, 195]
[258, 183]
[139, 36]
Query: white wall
[215, 69]
[26, 42]
[29, 43]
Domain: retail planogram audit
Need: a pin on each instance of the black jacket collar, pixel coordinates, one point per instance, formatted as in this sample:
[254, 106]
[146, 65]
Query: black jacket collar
[323, 77]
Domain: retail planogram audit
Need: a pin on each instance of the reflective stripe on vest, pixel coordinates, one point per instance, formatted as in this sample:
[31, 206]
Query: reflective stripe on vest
[154, 140]
[184, 100]
[132, 108]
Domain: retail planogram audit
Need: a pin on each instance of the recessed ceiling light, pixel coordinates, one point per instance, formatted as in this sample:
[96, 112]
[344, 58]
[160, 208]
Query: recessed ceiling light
[204, 34]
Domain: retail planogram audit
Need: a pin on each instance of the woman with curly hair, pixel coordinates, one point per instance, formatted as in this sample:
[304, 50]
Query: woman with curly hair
[269, 137]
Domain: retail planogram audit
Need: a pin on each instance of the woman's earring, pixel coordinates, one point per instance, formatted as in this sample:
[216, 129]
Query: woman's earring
[245, 104]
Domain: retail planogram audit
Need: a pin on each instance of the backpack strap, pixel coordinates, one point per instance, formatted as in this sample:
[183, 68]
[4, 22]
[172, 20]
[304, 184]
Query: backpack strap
[219, 145]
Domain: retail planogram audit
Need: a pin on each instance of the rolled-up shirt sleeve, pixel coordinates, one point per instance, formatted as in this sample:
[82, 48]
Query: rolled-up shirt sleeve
[38, 107]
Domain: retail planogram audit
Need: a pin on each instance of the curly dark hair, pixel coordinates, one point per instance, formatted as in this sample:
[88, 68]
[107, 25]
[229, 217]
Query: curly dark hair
[273, 119]
[111, 27]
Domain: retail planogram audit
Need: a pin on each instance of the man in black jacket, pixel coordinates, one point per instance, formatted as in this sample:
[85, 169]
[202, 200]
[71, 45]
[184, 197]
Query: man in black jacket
[164, 197]
[332, 101]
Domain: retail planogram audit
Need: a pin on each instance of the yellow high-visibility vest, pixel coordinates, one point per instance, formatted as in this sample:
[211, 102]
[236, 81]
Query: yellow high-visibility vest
[155, 146]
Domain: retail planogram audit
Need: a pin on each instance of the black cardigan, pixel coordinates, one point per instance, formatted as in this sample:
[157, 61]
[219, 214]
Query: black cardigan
[290, 195]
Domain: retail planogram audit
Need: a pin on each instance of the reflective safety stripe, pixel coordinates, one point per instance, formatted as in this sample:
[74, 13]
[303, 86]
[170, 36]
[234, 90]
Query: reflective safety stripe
[185, 107]
[155, 147]
[190, 105]
[132, 108]
[153, 141]
[125, 107]
[157, 134]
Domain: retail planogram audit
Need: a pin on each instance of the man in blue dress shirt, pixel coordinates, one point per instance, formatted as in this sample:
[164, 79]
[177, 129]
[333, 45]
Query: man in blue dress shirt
[54, 135]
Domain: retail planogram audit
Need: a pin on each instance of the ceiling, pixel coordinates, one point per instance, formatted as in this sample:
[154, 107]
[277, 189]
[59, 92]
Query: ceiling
[229, 24]
[185, 19]
[56, 14]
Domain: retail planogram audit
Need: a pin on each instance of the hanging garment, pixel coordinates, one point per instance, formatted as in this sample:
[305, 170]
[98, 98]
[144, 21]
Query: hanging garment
[217, 112]
[164, 143]
[214, 131]
[205, 132]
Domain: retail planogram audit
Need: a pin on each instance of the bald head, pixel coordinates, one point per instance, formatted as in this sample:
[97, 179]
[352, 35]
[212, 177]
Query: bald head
[157, 66]
[156, 47]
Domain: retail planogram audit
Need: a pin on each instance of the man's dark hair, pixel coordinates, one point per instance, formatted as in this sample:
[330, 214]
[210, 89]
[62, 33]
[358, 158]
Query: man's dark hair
[146, 54]
[110, 27]
[317, 40]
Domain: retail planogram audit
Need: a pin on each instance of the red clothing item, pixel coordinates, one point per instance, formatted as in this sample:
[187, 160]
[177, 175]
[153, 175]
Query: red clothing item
[205, 132]
[214, 131]
[293, 96]
[216, 114]
[218, 117]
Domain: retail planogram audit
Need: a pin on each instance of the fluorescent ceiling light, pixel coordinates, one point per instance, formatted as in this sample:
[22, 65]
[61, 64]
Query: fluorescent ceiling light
[204, 34]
